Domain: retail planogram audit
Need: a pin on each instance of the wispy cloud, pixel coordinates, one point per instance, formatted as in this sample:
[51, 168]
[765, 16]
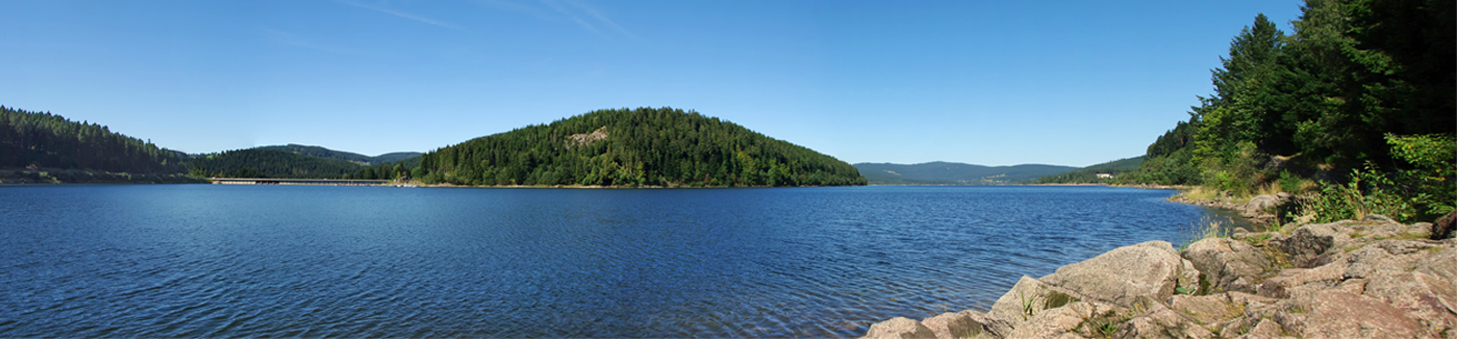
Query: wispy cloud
[400, 14]
[508, 5]
[576, 11]
[602, 19]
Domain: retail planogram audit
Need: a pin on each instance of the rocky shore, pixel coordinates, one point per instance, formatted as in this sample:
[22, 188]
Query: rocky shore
[1370, 278]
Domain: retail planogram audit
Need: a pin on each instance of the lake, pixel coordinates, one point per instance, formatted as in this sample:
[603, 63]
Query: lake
[316, 261]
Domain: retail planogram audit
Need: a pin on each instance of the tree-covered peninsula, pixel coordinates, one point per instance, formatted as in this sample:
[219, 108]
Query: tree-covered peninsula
[634, 147]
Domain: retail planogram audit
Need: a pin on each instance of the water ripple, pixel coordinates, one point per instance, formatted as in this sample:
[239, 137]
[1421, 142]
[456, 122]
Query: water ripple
[209, 261]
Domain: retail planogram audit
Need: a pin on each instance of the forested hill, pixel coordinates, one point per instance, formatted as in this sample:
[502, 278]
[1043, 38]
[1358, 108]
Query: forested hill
[321, 152]
[269, 163]
[1109, 171]
[952, 173]
[49, 141]
[634, 147]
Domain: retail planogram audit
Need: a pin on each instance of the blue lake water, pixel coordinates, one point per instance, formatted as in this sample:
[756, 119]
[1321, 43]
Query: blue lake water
[315, 261]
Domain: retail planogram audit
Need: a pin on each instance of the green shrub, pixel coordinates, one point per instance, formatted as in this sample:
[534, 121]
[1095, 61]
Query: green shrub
[1423, 191]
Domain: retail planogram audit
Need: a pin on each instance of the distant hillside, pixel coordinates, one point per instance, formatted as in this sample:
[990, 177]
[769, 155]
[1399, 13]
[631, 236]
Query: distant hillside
[644, 146]
[396, 157]
[52, 141]
[951, 173]
[269, 163]
[1089, 175]
[320, 152]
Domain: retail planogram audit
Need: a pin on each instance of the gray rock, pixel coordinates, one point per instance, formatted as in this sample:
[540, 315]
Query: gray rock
[1265, 329]
[1059, 321]
[1377, 218]
[1161, 322]
[964, 324]
[1229, 265]
[1260, 205]
[1441, 266]
[1027, 298]
[1207, 308]
[1337, 314]
[1442, 229]
[1309, 245]
[899, 328]
[1318, 244]
[1151, 269]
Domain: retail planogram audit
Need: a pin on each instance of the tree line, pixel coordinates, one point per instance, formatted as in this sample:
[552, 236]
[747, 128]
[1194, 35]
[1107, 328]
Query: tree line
[269, 163]
[1361, 91]
[44, 140]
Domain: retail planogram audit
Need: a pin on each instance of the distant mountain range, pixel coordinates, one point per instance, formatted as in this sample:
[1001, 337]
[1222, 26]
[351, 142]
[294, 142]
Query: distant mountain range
[1110, 171]
[292, 161]
[952, 173]
[320, 152]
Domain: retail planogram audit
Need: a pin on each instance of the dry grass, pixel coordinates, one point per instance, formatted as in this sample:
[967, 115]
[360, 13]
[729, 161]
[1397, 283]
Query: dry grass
[1201, 193]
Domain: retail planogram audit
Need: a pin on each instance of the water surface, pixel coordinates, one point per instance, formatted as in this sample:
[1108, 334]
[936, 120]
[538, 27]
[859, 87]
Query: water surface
[314, 261]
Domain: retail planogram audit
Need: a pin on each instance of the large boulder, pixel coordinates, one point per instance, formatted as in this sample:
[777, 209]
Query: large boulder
[1441, 266]
[1261, 205]
[1318, 244]
[1151, 269]
[1023, 302]
[1442, 229]
[1408, 275]
[1339, 314]
[899, 328]
[964, 324]
[1229, 265]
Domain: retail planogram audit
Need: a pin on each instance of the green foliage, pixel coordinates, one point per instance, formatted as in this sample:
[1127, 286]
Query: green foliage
[408, 168]
[1368, 192]
[320, 152]
[1432, 178]
[45, 140]
[1317, 103]
[644, 146]
[1089, 175]
[1232, 169]
[1424, 191]
[267, 163]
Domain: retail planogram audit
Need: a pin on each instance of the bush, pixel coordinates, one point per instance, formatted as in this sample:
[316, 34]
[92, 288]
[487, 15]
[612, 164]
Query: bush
[1422, 192]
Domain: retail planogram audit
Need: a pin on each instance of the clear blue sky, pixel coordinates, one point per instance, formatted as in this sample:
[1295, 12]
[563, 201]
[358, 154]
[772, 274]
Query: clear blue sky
[983, 82]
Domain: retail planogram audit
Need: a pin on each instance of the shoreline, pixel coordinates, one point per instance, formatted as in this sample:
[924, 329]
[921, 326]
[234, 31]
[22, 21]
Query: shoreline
[1345, 279]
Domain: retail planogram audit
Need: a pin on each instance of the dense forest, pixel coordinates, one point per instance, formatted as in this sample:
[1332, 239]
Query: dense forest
[269, 163]
[952, 173]
[406, 168]
[1354, 107]
[47, 141]
[634, 147]
[320, 152]
[1090, 175]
